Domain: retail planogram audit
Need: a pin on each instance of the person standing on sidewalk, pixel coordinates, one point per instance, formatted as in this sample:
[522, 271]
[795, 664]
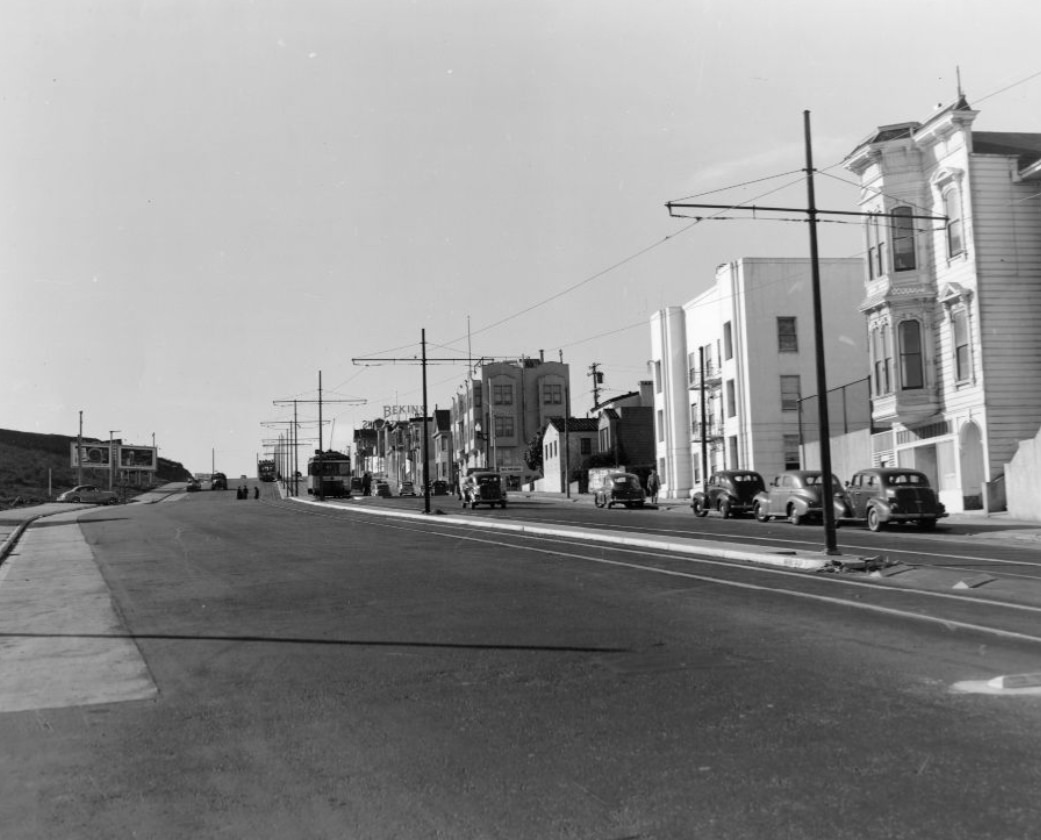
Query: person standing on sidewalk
[653, 485]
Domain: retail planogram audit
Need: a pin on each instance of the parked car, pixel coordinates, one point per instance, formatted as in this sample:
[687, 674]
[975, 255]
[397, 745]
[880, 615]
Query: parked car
[796, 496]
[620, 488]
[439, 487]
[407, 488]
[382, 489]
[219, 482]
[484, 488]
[880, 496]
[731, 492]
[193, 485]
[90, 494]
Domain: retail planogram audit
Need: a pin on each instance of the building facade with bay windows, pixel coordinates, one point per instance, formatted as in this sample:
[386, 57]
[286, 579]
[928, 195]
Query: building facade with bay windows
[952, 298]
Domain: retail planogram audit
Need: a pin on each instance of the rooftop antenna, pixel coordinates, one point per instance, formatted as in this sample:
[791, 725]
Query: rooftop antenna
[957, 74]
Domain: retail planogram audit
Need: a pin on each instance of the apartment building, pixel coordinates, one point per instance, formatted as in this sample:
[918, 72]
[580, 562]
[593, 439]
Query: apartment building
[731, 366]
[500, 408]
[952, 298]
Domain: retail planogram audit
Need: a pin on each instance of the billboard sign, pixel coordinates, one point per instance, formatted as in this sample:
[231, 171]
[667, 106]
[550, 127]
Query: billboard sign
[90, 455]
[137, 458]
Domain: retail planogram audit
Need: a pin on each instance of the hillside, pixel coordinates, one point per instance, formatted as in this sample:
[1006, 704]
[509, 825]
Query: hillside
[30, 462]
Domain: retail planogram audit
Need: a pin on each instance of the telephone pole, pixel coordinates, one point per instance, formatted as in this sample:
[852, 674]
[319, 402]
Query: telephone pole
[598, 380]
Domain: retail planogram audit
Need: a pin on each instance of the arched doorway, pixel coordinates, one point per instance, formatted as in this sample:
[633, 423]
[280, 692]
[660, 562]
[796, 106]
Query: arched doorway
[970, 453]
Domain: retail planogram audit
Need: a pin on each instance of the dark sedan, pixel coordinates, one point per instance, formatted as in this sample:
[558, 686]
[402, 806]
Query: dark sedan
[620, 489]
[880, 496]
[731, 492]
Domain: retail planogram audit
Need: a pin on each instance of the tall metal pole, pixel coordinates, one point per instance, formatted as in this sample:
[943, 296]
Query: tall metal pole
[827, 491]
[79, 453]
[426, 431]
[320, 466]
[567, 442]
[704, 420]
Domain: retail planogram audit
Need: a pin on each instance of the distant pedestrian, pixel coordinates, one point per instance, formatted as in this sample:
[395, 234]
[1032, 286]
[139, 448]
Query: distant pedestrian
[653, 486]
[256, 492]
[366, 484]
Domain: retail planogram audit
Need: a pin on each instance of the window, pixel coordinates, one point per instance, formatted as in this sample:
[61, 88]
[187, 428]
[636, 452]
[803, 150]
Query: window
[911, 376]
[787, 337]
[903, 240]
[503, 426]
[791, 392]
[661, 425]
[585, 446]
[657, 377]
[728, 341]
[553, 394]
[883, 361]
[791, 452]
[502, 394]
[962, 356]
[731, 399]
[876, 248]
[952, 210]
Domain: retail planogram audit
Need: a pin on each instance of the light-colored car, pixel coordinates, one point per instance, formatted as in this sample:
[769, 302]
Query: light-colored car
[795, 495]
[407, 488]
[90, 494]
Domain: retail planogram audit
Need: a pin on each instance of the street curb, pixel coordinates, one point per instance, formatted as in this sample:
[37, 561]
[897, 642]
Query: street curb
[727, 551]
[12, 539]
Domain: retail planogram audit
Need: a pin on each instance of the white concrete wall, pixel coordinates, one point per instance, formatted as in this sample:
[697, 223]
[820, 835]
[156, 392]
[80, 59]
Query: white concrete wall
[1023, 480]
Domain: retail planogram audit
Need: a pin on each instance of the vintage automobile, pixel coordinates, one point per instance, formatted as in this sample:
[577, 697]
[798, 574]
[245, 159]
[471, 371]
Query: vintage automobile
[796, 496]
[620, 488]
[407, 488]
[483, 488]
[193, 485]
[382, 488]
[219, 481]
[881, 496]
[731, 492]
[439, 488]
[90, 494]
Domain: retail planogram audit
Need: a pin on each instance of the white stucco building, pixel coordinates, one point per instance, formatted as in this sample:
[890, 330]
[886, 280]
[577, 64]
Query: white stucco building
[754, 330]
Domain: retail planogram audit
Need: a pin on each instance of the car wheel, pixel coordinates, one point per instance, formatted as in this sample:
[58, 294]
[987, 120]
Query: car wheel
[759, 513]
[926, 524]
[724, 508]
[74, 499]
[698, 507]
[874, 521]
[794, 516]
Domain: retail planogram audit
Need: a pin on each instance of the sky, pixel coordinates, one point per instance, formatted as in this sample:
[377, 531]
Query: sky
[207, 206]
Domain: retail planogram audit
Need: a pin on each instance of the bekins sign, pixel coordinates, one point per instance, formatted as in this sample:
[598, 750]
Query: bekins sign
[398, 410]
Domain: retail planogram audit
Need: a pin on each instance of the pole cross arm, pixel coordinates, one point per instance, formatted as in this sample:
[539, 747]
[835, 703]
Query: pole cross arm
[758, 208]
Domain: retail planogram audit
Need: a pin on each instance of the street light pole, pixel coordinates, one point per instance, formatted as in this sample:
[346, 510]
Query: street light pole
[111, 457]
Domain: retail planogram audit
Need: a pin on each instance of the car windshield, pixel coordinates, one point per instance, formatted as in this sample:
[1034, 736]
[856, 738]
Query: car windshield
[818, 478]
[902, 479]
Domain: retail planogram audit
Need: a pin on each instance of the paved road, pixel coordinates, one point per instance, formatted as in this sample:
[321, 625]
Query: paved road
[312, 671]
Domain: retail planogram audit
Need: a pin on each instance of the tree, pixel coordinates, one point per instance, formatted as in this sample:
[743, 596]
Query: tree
[533, 454]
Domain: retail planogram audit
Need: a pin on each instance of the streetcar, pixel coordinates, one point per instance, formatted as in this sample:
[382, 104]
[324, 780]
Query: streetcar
[266, 470]
[329, 474]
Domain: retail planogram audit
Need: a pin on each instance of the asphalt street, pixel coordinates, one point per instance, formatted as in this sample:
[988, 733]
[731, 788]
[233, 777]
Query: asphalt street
[283, 668]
